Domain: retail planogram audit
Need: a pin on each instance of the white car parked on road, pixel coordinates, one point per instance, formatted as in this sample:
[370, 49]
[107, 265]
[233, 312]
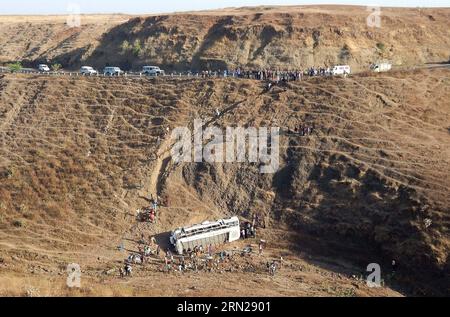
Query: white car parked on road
[112, 71]
[43, 68]
[152, 71]
[88, 70]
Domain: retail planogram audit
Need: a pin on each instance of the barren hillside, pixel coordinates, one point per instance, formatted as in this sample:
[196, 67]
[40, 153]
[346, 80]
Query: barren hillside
[42, 38]
[78, 156]
[273, 37]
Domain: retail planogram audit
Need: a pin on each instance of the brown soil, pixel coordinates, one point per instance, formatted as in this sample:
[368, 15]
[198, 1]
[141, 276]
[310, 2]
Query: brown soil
[284, 37]
[79, 156]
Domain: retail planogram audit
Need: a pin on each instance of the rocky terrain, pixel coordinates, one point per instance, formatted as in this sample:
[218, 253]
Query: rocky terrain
[259, 37]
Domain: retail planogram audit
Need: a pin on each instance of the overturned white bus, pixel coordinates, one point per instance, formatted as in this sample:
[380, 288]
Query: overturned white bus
[205, 234]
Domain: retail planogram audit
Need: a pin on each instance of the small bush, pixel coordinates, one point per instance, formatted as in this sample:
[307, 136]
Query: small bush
[53, 210]
[345, 54]
[17, 223]
[137, 48]
[22, 208]
[381, 46]
[56, 67]
[7, 173]
[14, 67]
[125, 46]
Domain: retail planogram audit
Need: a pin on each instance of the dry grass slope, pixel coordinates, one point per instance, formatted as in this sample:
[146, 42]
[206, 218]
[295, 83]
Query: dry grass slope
[283, 37]
[78, 155]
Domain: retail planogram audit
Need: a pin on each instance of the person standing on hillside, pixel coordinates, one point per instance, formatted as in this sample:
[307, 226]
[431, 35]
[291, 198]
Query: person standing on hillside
[273, 268]
[152, 217]
[253, 219]
[394, 266]
[210, 250]
[155, 204]
[143, 256]
[128, 269]
[253, 231]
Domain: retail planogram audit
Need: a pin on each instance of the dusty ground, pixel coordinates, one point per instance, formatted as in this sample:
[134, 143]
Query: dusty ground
[80, 155]
[273, 37]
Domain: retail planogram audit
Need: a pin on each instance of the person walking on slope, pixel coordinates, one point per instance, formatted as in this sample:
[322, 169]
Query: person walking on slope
[128, 269]
[273, 268]
[210, 250]
[394, 266]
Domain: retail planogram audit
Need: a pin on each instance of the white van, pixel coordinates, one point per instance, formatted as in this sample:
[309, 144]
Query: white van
[152, 71]
[112, 71]
[43, 68]
[341, 70]
[381, 67]
[88, 70]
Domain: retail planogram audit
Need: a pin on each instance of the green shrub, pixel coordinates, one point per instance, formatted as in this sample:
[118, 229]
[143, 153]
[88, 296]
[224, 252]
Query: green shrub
[56, 67]
[125, 46]
[380, 46]
[137, 48]
[14, 67]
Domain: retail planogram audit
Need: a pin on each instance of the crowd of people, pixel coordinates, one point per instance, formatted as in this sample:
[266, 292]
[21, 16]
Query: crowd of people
[196, 260]
[248, 230]
[145, 250]
[148, 214]
[266, 74]
[302, 130]
[199, 258]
